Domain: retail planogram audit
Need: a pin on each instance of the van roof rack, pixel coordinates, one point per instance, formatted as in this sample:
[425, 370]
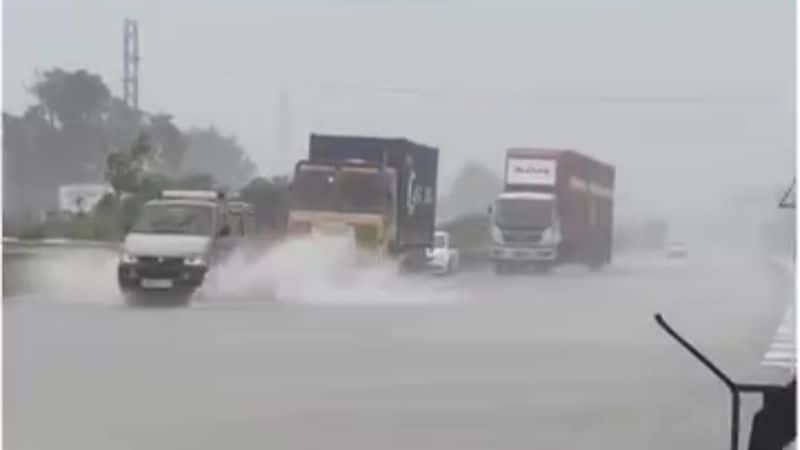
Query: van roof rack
[193, 194]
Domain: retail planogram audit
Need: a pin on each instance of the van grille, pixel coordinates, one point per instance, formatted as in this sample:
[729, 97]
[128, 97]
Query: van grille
[159, 261]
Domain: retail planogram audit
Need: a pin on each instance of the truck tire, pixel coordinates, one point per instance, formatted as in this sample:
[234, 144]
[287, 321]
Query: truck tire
[500, 268]
[543, 267]
[596, 266]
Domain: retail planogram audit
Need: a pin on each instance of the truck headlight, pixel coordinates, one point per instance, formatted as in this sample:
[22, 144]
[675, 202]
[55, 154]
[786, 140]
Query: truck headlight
[550, 236]
[497, 235]
[196, 260]
[127, 258]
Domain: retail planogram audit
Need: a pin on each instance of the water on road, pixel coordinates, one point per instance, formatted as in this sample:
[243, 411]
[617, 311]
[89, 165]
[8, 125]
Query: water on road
[283, 355]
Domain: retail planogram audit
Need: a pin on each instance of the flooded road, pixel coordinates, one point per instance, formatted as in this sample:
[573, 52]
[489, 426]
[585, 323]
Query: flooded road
[564, 361]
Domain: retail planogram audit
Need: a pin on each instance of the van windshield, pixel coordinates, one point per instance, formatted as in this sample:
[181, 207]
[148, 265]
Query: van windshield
[176, 219]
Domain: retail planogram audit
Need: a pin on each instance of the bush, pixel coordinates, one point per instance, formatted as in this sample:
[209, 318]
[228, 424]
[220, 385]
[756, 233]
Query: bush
[35, 231]
[270, 198]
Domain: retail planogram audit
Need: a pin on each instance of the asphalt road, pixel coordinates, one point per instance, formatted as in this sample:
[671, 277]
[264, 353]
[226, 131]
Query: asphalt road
[565, 361]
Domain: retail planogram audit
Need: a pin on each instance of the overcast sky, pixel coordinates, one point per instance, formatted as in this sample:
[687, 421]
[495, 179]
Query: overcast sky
[689, 99]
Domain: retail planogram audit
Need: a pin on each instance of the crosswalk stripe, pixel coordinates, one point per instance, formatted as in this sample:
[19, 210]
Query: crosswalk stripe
[782, 351]
[782, 346]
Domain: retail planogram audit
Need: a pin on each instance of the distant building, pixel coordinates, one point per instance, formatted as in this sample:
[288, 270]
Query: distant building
[76, 198]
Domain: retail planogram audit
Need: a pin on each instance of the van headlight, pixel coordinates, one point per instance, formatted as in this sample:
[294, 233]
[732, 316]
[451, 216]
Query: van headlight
[127, 258]
[195, 260]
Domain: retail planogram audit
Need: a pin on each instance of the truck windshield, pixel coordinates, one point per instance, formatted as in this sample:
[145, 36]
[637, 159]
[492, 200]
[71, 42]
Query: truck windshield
[176, 219]
[523, 212]
[362, 191]
[313, 189]
[357, 191]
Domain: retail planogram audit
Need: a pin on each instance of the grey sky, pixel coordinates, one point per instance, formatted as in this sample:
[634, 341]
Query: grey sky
[683, 96]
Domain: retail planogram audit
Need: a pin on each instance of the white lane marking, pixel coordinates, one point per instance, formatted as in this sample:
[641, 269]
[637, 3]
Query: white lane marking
[782, 351]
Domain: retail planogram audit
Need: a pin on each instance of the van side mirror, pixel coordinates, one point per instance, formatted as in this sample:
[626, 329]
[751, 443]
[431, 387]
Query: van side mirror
[225, 231]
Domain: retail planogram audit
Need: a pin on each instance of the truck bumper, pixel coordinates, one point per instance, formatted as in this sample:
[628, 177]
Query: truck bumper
[524, 254]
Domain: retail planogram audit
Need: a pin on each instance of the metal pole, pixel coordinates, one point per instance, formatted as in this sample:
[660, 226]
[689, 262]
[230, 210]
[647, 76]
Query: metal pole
[715, 370]
[735, 420]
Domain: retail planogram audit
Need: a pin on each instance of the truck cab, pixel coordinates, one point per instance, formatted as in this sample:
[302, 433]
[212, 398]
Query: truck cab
[557, 206]
[174, 242]
[525, 229]
[378, 193]
[349, 198]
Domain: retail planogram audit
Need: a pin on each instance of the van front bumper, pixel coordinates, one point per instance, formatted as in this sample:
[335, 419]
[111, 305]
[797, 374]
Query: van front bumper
[141, 276]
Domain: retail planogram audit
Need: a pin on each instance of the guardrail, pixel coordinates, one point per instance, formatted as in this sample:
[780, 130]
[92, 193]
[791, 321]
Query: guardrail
[11, 242]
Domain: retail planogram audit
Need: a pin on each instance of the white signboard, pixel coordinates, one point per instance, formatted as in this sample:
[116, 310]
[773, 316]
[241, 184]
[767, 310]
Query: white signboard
[529, 171]
[80, 197]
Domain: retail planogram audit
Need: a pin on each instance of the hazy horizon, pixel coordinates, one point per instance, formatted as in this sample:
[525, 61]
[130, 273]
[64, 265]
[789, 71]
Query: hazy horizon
[690, 101]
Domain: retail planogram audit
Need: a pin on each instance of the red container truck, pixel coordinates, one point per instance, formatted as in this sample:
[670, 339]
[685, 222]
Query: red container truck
[557, 206]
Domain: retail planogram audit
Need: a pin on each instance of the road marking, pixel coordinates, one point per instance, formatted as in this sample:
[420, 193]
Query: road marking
[782, 351]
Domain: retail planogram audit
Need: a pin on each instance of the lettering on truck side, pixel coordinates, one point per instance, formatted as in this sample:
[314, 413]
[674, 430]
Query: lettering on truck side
[531, 171]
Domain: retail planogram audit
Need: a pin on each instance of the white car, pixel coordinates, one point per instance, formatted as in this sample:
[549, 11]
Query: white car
[443, 258]
[676, 250]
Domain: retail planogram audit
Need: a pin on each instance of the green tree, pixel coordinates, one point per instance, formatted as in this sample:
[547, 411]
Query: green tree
[71, 99]
[270, 198]
[125, 169]
[201, 181]
[169, 142]
[210, 152]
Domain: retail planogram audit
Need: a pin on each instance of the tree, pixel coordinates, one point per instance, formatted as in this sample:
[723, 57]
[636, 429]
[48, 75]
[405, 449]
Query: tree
[270, 198]
[473, 190]
[125, 169]
[169, 142]
[73, 99]
[210, 152]
[78, 132]
[201, 181]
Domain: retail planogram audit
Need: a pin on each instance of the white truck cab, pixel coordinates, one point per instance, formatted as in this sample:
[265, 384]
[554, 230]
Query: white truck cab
[525, 229]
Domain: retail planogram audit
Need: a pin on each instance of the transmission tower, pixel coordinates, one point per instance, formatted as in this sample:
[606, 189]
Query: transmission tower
[130, 64]
[283, 129]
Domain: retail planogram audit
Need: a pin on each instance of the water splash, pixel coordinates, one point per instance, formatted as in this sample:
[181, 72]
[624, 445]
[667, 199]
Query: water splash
[321, 270]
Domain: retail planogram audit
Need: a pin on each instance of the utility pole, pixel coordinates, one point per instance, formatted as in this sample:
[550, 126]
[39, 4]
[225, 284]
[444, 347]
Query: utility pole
[284, 151]
[130, 64]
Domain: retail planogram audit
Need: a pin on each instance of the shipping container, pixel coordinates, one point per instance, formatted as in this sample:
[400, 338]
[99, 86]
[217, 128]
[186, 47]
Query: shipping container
[417, 168]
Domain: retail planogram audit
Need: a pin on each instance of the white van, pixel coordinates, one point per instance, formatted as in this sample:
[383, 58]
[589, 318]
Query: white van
[176, 240]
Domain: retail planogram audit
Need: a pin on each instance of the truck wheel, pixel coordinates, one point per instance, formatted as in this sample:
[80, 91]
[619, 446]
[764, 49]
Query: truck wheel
[500, 268]
[131, 299]
[596, 266]
[543, 267]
